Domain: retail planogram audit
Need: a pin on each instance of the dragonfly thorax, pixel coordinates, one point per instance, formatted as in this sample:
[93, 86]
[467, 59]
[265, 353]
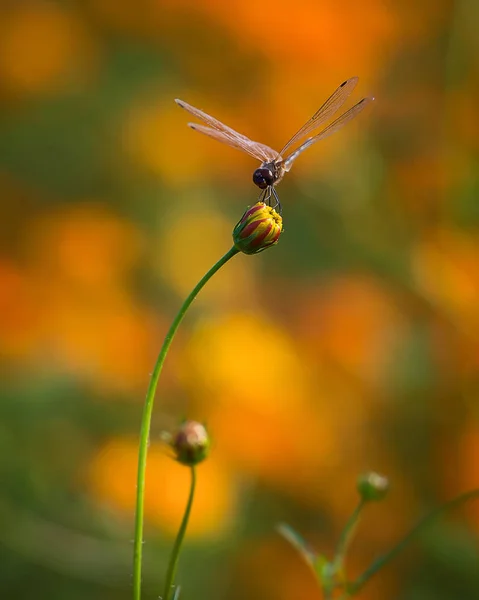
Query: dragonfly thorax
[264, 177]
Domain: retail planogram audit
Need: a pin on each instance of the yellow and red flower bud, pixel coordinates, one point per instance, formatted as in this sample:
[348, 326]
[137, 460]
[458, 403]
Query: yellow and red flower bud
[258, 229]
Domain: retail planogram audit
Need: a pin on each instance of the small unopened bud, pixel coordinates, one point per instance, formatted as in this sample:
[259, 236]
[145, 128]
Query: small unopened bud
[372, 487]
[258, 229]
[191, 443]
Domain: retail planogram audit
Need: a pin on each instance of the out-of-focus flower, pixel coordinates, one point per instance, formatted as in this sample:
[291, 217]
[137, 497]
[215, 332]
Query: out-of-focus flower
[74, 312]
[446, 267]
[258, 229]
[41, 47]
[191, 443]
[83, 246]
[155, 136]
[111, 478]
[354, 321]
[335, 48]
[180, 267]
[287, 448]
[19, 318]
[226, 358]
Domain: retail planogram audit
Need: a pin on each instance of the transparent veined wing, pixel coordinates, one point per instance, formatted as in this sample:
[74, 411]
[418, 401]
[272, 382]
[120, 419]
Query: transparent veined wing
[254, 149]
[221, 132]
[327, 110]
[329, 130]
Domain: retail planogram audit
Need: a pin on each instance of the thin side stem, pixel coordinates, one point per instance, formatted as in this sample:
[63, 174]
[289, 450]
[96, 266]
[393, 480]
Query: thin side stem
[175, 553]
[425, 522]
[347, 535]
[146, 421]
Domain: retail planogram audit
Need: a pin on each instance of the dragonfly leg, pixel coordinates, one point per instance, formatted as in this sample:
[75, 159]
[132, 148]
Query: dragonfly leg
[264, 196]
[277, 205]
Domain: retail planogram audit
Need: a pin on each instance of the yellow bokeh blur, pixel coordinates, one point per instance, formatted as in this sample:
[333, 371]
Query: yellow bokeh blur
[246, 356]
[182, 242]
[214, 505]
[58, 48]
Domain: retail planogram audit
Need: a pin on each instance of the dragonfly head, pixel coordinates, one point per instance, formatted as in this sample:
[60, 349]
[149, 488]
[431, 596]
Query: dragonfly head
[263, 177]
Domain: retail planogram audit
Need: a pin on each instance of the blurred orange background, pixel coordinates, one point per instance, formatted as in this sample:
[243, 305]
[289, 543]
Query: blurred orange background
[353, 344]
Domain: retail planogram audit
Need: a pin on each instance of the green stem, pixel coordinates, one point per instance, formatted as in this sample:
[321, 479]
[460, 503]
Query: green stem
[175, 553]
[347, 536]
[146, 421]
[378, 564]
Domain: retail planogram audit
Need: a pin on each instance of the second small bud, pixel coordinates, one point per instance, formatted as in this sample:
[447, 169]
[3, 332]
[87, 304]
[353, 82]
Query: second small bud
[372, 487]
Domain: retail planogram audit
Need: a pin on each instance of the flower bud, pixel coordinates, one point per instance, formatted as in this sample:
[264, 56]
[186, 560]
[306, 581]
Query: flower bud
[372, 487]
[191, 443]
[258, 229]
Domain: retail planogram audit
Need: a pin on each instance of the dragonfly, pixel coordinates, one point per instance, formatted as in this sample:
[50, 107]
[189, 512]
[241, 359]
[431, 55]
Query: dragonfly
[274, 165]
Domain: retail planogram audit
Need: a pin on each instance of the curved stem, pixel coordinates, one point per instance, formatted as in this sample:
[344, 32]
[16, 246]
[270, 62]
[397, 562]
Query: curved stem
[146, 420]
[175, 553]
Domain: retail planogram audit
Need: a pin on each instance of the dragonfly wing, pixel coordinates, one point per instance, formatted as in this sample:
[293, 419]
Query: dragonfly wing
[221, 132]
[329, 130]
[256, 150]
[327, 110]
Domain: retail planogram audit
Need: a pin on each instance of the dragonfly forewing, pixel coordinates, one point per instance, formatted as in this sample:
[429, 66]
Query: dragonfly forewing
[325, 112]
[329, 130]
[259, 151]
[221, 132]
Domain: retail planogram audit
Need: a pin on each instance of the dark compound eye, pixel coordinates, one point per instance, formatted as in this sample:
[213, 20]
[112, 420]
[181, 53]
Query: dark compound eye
[263, 178]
